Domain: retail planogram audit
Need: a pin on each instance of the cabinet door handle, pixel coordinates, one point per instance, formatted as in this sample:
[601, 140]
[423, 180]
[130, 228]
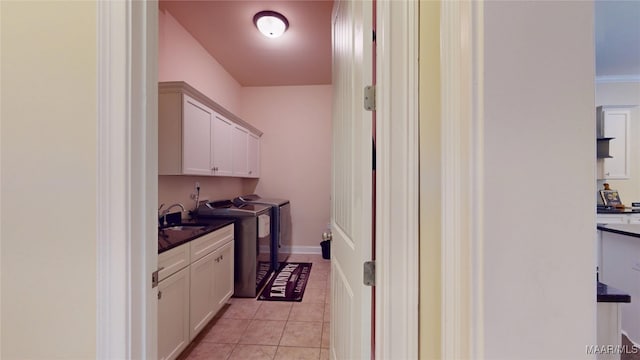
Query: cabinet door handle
[159, 294]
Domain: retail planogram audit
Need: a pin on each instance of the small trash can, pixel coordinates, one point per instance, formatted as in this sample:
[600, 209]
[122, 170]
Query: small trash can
[326, 249]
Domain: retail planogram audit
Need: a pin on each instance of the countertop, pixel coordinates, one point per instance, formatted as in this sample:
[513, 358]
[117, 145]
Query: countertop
[170, 239]
[608, 294]
[622, 229]
[618, 211]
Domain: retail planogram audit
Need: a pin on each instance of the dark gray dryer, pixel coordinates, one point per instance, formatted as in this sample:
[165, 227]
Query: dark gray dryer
[280, 225]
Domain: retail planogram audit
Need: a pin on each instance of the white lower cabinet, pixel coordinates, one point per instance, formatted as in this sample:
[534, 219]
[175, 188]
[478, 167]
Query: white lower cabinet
[173, 315]
[223, 275]
[211, 286]
[603, 219]
[196, 280]
[201, 294]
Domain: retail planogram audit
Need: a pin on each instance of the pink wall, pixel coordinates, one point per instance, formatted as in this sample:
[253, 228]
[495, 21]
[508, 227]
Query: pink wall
[182, 58]
[177, 189]
[295, 153]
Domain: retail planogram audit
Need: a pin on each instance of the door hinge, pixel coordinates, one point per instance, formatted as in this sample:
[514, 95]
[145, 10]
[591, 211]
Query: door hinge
[370, 98]
[369, 274]
[155, 277]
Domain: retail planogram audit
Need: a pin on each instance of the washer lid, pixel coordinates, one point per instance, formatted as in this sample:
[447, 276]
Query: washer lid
[257, 199]
[226, 208]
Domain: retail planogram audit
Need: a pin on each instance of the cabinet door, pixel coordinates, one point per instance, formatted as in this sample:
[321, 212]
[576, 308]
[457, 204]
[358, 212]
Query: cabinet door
[221, 151]
[616, 125]
[223, 275]
[254, 155]
[196, 137]
[240, 151]
[173, 315]
[202, 294]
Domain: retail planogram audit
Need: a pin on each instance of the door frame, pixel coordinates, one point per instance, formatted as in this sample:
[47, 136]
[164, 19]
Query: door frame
[397, 286]
[127, 191]
[127, 187]
[462, 173]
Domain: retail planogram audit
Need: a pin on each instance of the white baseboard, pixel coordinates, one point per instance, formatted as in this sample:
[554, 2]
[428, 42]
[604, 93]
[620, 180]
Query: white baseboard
[304, 249]
[315, 250]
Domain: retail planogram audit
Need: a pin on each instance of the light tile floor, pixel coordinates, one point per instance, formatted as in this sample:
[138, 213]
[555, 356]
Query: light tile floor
[252, 329]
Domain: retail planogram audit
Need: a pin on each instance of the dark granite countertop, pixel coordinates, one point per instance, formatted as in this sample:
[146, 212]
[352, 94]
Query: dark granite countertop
[608, 294]
[618, 211]
[622, 229]
[170, 239]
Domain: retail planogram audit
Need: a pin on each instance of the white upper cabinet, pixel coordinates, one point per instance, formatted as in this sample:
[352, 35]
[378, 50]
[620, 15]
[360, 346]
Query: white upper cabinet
[254, 155]
[246, 153]
[221, 149]
[616, 125]
[196, 136]
[240, 151]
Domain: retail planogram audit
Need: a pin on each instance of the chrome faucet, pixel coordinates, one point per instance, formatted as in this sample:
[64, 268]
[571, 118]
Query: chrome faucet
[164, 213]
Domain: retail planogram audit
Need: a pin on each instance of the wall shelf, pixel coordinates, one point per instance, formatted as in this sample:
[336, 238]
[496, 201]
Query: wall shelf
[603, 147]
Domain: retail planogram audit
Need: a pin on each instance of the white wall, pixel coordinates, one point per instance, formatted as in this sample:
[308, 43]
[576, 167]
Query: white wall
[539, 216]
[296, 152]
[430, 182]
[625, 94]
[48, 180]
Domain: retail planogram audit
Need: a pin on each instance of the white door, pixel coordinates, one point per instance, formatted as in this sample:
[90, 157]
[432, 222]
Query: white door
[351, 205]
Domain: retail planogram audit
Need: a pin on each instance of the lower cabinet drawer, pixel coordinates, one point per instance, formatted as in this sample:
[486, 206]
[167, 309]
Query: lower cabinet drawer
[171, 261]
[612, 219]
[634, 219]
[209, 242]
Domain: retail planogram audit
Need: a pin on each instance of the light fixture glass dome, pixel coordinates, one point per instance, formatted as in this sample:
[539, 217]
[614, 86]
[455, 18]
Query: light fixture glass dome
[270, 23]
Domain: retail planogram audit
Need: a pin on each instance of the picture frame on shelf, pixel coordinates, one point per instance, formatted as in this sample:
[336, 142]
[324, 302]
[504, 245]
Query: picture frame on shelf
[610, 198]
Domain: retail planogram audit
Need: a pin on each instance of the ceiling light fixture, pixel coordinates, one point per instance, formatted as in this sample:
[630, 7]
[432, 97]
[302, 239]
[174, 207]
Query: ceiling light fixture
[270, 23]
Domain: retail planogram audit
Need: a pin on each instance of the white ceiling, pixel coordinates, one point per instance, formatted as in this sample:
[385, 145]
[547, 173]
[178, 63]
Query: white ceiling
[302, 56]
[617, 34]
